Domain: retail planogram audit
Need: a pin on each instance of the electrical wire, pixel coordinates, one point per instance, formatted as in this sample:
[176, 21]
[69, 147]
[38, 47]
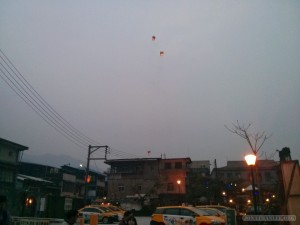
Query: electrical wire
[41, 103]
[17, 82]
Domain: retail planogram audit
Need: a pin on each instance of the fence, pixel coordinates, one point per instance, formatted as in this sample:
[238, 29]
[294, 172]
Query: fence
[35, 221]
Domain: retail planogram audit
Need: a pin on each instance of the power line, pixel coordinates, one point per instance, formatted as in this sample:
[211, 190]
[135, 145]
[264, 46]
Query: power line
[17, 82]
[42, 104]
[11, 78]
[29, 102]
[122, 154]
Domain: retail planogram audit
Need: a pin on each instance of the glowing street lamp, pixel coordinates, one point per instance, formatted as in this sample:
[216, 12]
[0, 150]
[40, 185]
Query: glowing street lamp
[178, 182]
[87, 180]
[250, 160]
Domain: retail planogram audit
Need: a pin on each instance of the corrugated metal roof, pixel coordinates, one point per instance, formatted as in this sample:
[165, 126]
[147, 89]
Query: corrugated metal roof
[25, 177]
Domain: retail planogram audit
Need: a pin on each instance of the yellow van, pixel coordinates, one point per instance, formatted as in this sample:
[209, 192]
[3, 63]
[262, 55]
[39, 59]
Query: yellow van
[183, 215]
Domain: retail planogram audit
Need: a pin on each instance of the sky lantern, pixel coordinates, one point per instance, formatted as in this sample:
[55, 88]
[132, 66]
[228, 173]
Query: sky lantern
[153, 38]
[162, 53]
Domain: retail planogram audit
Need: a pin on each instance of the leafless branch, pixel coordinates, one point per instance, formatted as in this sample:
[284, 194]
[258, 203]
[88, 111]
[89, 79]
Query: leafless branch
[255, 140]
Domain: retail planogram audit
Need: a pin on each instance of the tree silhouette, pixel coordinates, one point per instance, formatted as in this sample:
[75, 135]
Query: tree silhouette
[255, 140]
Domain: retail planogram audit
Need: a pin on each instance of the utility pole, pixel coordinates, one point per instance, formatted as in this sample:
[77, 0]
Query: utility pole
[91, 150]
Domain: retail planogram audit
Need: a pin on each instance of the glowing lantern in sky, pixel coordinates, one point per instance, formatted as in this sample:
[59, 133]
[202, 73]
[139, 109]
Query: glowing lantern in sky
[153, 38]
[161, 53]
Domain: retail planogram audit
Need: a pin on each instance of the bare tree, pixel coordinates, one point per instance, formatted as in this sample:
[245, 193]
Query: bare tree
[255, 140]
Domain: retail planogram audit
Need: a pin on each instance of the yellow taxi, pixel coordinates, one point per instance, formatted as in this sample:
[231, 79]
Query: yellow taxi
[119, 211]
[219, 207]
[183, 215]
[103, 217]
[214, 212]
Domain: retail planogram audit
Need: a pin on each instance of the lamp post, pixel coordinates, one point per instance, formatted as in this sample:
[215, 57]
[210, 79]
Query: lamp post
[86, 176]
[250, 160]
[178, 182]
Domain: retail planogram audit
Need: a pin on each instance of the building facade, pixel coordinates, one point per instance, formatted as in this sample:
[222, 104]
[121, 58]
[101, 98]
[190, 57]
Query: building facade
[237, 180]
[55, 190]
[135, 182]
[10, 154]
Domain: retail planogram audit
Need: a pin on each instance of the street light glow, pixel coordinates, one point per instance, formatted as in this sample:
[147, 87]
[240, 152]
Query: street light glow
[178, 181]
[250, 159]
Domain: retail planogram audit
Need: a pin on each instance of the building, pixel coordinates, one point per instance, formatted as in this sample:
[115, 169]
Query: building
[10, 154]
[52, 191]
[236, 176]
[142, 181]
[239, 171]
[201, 167]
[198, 179]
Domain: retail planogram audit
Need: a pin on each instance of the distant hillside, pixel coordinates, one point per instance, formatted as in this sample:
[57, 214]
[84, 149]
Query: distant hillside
[60, 160]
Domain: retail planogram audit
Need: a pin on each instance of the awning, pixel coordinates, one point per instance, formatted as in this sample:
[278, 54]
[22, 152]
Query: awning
[249, 188]
[25, 177]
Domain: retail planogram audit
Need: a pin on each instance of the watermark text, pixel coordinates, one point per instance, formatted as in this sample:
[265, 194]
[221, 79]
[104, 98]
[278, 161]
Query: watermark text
[269, 218]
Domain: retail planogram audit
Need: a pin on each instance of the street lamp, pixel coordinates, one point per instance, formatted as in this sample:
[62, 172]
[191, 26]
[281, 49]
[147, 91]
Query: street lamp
[86, 181]
[178, 182]
[250, 160]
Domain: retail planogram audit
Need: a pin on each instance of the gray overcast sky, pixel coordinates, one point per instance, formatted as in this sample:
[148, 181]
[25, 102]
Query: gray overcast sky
[94, 62]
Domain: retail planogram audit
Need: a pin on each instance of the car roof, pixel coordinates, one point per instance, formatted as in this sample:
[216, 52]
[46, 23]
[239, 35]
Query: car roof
[174, 206]
[212, 206]
[213, 209]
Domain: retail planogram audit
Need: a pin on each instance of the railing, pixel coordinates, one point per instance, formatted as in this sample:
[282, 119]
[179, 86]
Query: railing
[35, 221]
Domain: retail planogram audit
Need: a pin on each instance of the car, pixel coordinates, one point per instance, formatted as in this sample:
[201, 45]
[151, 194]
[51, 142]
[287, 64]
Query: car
[219, 207]
[115, 209]
[108, 209]
[183, 215]
[103, 217]
[214, 212]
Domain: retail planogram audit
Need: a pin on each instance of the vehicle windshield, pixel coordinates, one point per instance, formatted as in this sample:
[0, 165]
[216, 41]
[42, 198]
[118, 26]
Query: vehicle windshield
[211, 212]
[202, 212]
[105, 209]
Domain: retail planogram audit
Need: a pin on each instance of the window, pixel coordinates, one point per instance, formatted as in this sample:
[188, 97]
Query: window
[139, 187]
[6, 176]
[220, 175]
[268, 176]
[138, 169]
[168, 166]
[238, 175]
[186, 212]
[172, 211]
[170, 187]
[121, 188]
[178, 165]
[68, 204]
